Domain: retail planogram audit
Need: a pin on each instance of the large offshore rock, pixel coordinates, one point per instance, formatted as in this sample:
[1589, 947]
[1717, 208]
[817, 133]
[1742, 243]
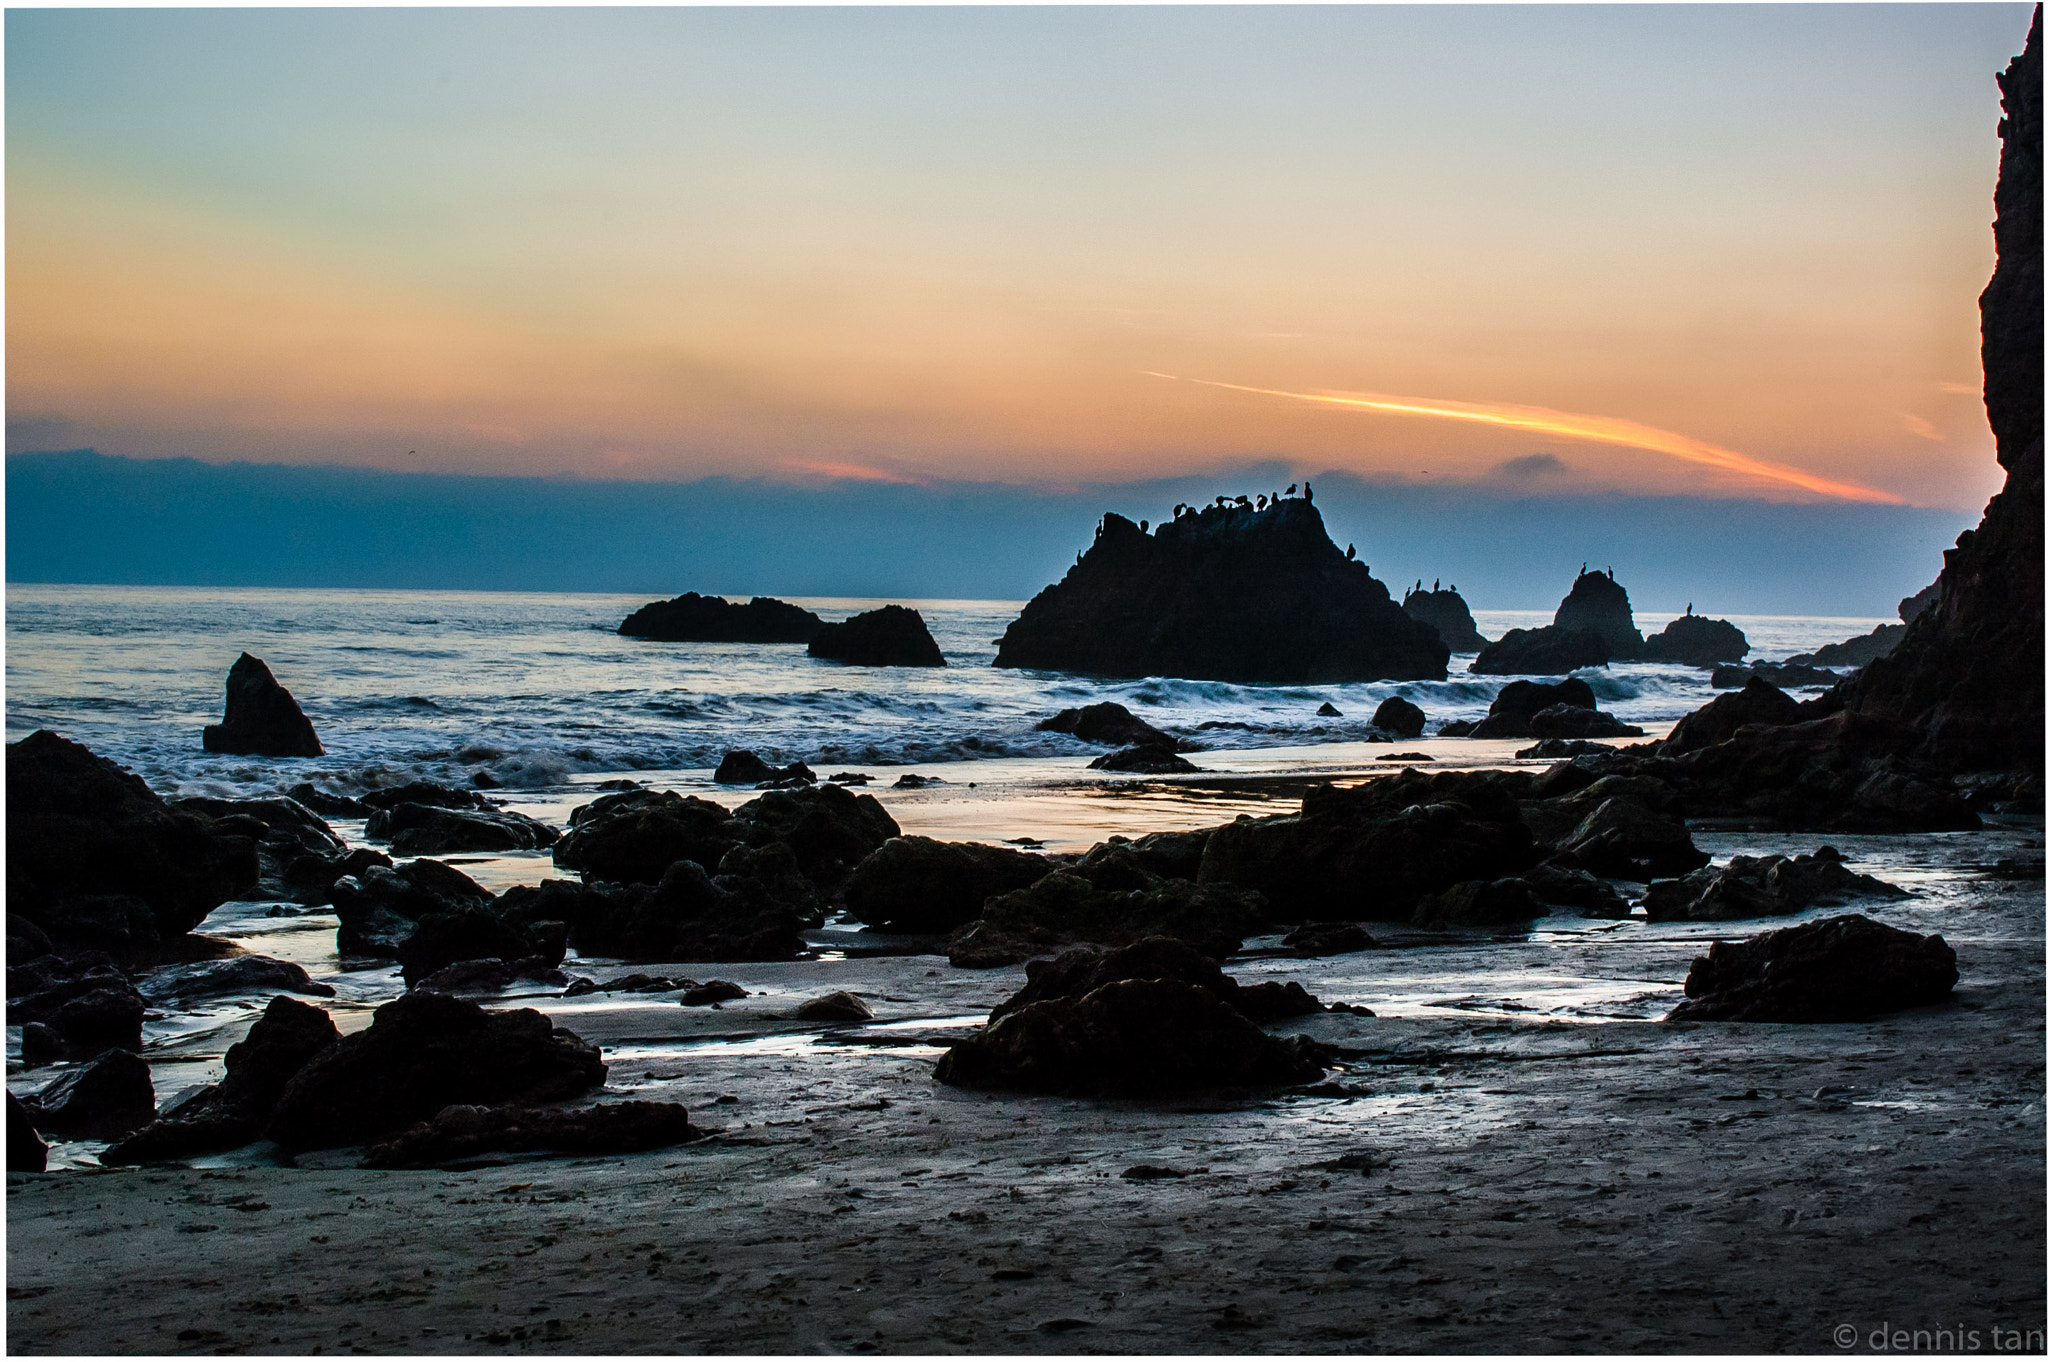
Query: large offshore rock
[1842, 969]
[1697, 640]
[916, 884]
[1372, 851]
[691, 618]
[1597, 604]
[633, 838]
[1108, 722]
[261, 719]
[1549, 651]
[79, 827]
[1762, 886]
[1447, 613]
[893, 636]
[423, 1052]
[1075, 973]
[1228, 593]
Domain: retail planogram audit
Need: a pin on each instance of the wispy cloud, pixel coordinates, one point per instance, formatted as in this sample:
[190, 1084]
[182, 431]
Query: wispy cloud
[1922, 427]
[1601, 429]
[848, 472]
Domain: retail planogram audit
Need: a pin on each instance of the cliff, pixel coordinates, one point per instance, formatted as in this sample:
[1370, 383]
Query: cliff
[1228, 593]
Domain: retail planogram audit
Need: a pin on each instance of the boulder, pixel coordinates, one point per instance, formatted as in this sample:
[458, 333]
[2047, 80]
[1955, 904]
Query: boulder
[181, 984]
[1326, 710]
[1480, 903]
[428, 793]
[835, 1007]
[1698, 641]
[893, 636]
[1130, 1038]
[1160, 855]
[1399, 717]
[1841, 969]
[462, 1132]
[916, 884]
[741, 767]
[1329, 938]
[829, 829]
[632, 838]
[686, 917]
[310, 879]
[1585, 894]
[1597, 604]
[1108, 722]
[1549, 651]
[382, 908]
[1373, 850]
[1570, 721]
[1758, 702]
[1076, 973]
[325, 804]
[424, 1052]
[1628, 840]
[1560, 749]
[79, 828]
[1525, 699]
[26, 1152]
[107, 1098]
[43, 1045]
[233, 1112]
[1227, 593]
[430, 830]
[1148, 761]
[1447, 613]
[1762, 886]
[480, 932]
[85, 999]
[262, 719]
[691, 618]
[287, 833]
[711, 993]
[1113, 903]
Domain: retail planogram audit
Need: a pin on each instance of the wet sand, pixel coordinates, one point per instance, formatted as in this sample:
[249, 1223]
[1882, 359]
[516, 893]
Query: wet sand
[1546, 1168]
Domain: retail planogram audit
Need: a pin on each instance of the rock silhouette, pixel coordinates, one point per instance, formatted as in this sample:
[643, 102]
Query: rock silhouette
[691, 618]
[1697, 640]
[893, 636]
[1549, 651]
[1840, 969]
[1599, 605]
[1229, 593]
[1447, 613]
[262, 719]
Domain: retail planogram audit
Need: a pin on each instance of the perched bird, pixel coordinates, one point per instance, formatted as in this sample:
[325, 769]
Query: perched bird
[1290, 489]
[1351, 552]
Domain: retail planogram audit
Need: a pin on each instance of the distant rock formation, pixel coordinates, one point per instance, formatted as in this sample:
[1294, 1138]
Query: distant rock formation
[1447, 613]
[262, 719]
[1549, 651]
[1227, 593]
[1598, 604]
[893, 636]
[1859, 651]
[691, 618]
[1697, 640]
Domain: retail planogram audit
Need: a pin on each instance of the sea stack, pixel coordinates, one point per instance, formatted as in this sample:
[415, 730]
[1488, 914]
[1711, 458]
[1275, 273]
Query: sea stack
[894, 636]
[1447, 613]
[1233, 592]
[1599, 605]
[262, 719]
[691, 618]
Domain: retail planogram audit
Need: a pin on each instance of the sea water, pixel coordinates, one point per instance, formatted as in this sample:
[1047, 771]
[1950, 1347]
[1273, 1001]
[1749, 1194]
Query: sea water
[538, 691]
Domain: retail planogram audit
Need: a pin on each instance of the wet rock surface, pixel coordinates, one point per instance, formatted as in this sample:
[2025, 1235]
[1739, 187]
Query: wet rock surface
[176, 984]
[261, 719]
[428, 830]
[835, 1007]
[1226, 593]
[691, 618]
[463, 1132]
[1076, 973]
[105, 1098]
[1762, 886]
[1148, 761]
[917, 884]
[634, 837]
[893, 636]
[381, 909]
[741, 767]
[1842, 969]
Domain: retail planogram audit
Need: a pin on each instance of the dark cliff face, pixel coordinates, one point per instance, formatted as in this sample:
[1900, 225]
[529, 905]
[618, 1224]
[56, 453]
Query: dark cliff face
[1966, 678]
[1224, 594]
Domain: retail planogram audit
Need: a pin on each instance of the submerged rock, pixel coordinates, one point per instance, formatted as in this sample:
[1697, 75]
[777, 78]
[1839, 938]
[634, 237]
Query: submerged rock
[1108, 722]
[893, 636]
[1447, 613]
[1597, 604]
[1402, 718]
[424, 1052]
[1549, 651]
[691, 618]
[107, 1098]
[916, 884]
[1842, 969]
[1762, 886]
[461, 1132]
[1697, 640]
[262, 719]
[1228, 593]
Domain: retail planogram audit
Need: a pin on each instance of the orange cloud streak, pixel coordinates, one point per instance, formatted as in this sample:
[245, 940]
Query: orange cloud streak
[1603, 429]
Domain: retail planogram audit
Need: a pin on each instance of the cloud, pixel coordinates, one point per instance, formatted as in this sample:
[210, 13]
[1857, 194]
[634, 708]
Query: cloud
[1528, 468]
[1922, 427]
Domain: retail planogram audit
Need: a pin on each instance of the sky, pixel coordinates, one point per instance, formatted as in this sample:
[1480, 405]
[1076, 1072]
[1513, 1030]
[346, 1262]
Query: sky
[1725, 251]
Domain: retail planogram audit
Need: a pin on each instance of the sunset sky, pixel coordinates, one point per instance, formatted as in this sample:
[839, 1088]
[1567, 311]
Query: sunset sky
[1721, 249]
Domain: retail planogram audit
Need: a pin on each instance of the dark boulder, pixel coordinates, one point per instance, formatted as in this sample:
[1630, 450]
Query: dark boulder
[1585, 894]
[1549, 651]
[262, 719]
[1228, 593]
[179, 984]
[1329, 938]
[1762, 886]
[1131, 1038]
[691, 618]
[688, 916]
[428, 793]
[1400, 717]
[916, 884]
[1447, 613]
[26, 1152]
[632, 838]
[311, 879]
[1758, 702]
[79, 827]
[1326, 710]
[1597, 604]
[1480, 903]
[430, 830]
[834, 1007]
[479, 932]
[829, 829]
[1627, 839]
[1113, 902]
[1108, 722]
[424, 1052]
[287, 833]
[382, 908]
[1841, 969]
[1527, 698]
[741, 767]
[85, 999]
[462, 1132]
[1076, 973]
[893, 636]
[325, 804]
[1697, 640]
[41, 1045]
[1373, 850]
[1560, 749]
[106, 1098]
[233, 1112]
[1570, 721]
[1146, 761]
[1846, 772]
[711, 993]
[1160, 855]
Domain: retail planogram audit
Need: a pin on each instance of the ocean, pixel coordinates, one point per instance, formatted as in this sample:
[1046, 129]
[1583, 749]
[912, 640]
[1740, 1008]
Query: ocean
[538, 690]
